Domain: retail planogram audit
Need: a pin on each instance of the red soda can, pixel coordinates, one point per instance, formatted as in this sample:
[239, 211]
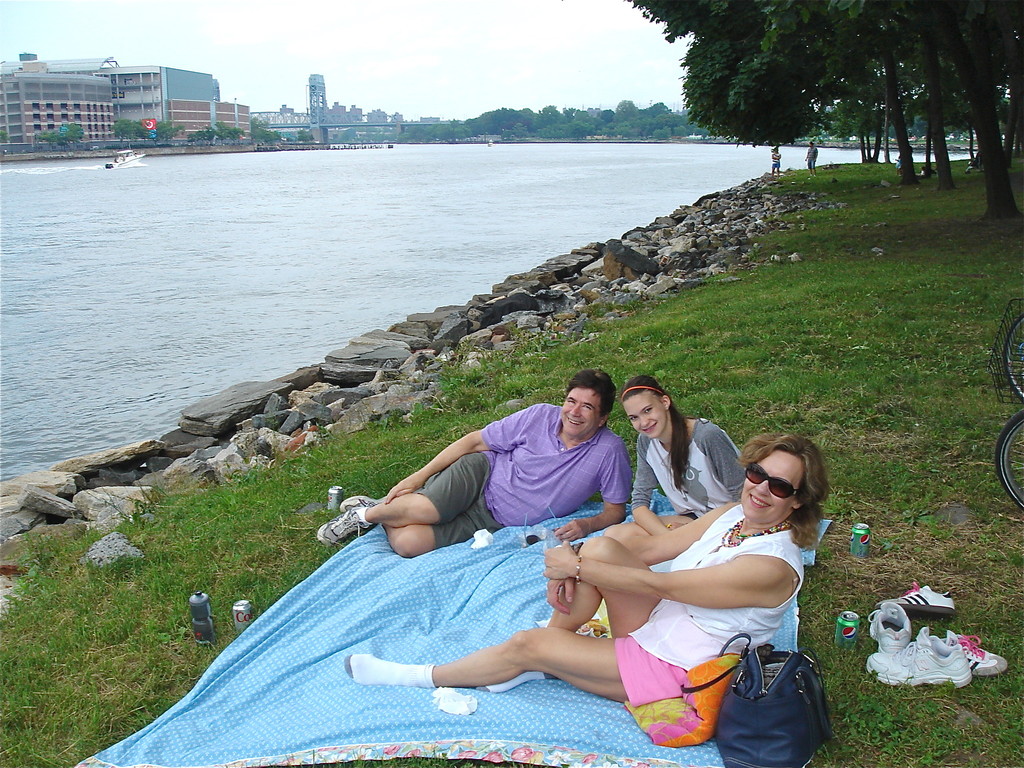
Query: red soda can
[241, 611]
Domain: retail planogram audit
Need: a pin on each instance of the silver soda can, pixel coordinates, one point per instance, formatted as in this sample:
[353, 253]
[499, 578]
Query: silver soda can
[334, 496]
[202, 619]
[241, 611]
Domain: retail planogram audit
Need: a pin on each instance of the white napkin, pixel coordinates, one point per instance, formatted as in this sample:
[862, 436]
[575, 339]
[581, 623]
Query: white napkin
[481, 539]
[454, 703]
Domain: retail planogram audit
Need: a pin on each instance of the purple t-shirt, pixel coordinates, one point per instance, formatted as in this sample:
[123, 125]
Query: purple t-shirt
[535, 477]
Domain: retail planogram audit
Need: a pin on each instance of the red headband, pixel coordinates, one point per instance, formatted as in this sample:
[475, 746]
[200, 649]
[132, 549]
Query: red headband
[642, 386]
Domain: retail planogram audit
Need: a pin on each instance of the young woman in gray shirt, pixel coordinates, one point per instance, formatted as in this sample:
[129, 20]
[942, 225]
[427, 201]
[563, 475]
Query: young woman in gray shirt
[692, 460]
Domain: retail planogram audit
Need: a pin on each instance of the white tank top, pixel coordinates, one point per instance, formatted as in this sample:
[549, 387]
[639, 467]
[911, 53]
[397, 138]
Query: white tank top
[686, 635]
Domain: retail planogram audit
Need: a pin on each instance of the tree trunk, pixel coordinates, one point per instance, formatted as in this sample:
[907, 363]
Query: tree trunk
[927, 171]
[936, 125]
[899, 123]
[974, 68]
[1014, 128]
[885, 128]
[878, 138]
[1008, 18]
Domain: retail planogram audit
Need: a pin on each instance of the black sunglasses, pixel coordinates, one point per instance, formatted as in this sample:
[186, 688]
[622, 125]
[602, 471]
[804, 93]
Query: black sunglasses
[780, 488]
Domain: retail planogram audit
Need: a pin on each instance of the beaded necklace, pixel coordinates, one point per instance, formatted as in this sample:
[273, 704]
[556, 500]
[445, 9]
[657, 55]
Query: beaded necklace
[733, 537]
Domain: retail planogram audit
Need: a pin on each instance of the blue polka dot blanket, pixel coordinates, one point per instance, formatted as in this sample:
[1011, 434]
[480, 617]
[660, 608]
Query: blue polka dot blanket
[279, 695]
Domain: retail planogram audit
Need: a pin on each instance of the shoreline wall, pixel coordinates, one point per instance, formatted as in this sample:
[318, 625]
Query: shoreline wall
[393, 372]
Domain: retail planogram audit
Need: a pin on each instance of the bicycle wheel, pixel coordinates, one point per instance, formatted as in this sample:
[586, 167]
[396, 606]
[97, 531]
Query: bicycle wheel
[1013, 356]
[1010, 457]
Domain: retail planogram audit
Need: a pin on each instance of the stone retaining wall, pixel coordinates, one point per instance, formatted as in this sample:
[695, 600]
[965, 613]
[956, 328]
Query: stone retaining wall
[386, 373]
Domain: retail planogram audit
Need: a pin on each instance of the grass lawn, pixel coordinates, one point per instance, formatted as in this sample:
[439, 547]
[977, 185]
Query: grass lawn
[874, 344]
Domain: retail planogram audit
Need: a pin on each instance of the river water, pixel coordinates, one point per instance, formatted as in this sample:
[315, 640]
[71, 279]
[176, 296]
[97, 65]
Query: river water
[127, 295]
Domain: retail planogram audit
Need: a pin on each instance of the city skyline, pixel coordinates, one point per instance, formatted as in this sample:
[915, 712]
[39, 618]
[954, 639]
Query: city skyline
[453, 59]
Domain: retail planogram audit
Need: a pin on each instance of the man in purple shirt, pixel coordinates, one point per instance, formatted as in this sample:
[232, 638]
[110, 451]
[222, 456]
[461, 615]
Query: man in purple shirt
[541, 462]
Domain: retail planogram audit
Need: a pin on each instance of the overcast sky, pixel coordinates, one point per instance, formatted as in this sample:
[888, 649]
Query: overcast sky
[440, 58]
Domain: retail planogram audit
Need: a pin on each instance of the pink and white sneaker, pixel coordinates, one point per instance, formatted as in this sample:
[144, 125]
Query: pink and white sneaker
[983, 663]
[924, 601]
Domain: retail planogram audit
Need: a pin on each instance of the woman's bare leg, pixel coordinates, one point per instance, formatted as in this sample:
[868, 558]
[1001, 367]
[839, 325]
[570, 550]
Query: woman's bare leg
[586, 662]
[626, 611]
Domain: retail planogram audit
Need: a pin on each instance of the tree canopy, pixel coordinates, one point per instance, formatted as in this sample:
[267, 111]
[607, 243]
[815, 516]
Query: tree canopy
[626, 121]
[770, 71]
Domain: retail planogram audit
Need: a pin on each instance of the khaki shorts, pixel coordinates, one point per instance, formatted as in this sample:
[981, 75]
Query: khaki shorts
[457, 492]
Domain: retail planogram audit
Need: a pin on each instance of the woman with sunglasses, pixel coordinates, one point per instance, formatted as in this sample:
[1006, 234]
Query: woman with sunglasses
[737, 568]
[693, 460]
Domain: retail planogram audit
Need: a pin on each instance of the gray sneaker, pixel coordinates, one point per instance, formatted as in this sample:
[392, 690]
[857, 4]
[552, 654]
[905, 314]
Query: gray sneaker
[333, 531]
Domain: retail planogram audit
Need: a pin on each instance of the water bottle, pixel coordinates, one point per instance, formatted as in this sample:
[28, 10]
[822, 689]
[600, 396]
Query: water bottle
[202, 619]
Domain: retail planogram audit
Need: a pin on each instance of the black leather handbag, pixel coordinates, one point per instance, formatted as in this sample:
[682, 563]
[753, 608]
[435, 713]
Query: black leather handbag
[775, 714]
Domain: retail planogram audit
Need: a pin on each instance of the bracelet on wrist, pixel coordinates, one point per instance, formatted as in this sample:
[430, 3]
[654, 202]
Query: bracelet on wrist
[579, 564]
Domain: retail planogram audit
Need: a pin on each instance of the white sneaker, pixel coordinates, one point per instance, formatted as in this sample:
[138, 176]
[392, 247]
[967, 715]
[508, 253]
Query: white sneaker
[357, 501]
[336, 529]
[924, 601]
[926, 660]
[890, 627]
[983, 663]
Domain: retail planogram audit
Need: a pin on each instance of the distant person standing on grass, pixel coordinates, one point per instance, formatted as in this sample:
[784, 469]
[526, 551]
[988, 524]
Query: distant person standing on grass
[812, 158]
[776, 162]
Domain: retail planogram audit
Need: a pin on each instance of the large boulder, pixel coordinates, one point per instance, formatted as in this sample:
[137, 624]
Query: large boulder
[178, 443]
[42, 502]
[64, 484]
[213, 416]
[455, 326]
[622, 261]
[93, 461]
[425, 324]
[106, 507]
[110, 549]
[397, 400]
[347, 374]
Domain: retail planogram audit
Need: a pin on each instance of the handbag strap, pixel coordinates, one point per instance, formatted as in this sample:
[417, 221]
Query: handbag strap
[709, 683]
[733, 639]
[729, 671]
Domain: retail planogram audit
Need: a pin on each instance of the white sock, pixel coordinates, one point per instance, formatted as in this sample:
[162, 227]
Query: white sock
[525, 677]
[369, 670]
[361, 514]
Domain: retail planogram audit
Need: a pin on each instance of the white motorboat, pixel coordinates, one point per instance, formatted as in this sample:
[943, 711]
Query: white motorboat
[125, 158]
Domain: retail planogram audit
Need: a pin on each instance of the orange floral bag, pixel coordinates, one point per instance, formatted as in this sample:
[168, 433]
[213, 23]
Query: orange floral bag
[690, 718]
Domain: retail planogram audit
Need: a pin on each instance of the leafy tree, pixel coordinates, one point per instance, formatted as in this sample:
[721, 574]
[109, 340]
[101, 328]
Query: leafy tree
[971, 32]
[227, 132]
[261, 134]
[129, 129]
[203, 134]
[738, 83]
[768, 71]
[304, 136]
[626, 111]
[72, 132]
[166, 130]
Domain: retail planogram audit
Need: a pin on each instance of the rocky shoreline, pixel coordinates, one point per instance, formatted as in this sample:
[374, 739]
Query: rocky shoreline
[393, 372]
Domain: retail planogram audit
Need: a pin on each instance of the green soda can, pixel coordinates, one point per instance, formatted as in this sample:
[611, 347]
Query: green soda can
[860, 540]
[847, 624]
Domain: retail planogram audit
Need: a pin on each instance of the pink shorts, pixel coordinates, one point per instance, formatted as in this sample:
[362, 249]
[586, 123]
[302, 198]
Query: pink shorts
[645, 677]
